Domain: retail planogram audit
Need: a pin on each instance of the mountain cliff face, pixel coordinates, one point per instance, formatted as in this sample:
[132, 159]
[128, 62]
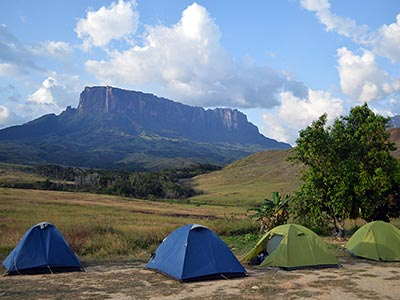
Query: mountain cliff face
[161, 116]
[115, 128]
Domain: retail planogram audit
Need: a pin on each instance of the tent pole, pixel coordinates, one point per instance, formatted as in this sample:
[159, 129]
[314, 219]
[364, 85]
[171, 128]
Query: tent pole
[50, 269]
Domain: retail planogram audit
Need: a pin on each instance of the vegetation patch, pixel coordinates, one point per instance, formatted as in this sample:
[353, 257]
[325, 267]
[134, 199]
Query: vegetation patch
[166, 184]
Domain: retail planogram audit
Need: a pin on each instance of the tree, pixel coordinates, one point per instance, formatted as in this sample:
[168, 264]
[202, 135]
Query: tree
[350, 171]
[272, 213]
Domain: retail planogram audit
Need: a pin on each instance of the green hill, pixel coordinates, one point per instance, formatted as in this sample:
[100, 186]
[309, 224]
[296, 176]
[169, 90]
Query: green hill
[248, 181]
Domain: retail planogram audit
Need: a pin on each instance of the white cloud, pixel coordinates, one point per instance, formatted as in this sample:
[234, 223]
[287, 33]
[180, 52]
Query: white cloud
[52, 48]
[315, 5]
[386, 41]
[19, 67]
[343, 26]
[297, 113]
[362, 79]
[4, 114]
[186, 62]
[108, 23]
[55, 93]
[10, 70]
[8, 118]
[43, 95]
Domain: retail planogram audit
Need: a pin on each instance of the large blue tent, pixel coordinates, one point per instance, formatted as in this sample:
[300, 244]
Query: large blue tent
[42, 249]
[194, 252]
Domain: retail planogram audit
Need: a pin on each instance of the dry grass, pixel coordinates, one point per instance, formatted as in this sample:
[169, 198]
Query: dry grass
[250, 180]
[12, 174]
[100, 226]
[114, 236]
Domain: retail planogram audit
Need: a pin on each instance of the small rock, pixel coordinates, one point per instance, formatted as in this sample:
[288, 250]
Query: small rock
[254, 287]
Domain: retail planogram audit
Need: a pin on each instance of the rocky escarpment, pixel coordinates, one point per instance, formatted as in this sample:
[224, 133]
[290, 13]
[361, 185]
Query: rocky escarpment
[140, 111]
[119, 129]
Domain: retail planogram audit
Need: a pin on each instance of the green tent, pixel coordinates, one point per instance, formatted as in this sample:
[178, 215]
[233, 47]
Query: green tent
[291, 246]
[376, 240]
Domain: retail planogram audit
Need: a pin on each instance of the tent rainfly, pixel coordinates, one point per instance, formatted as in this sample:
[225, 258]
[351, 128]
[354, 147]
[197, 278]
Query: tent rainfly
[376, 240]
[291, 246]
[194, 252]
[42, 249]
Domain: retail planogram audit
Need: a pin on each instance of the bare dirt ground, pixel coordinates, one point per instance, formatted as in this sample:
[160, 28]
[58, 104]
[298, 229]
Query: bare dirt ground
[356, 279]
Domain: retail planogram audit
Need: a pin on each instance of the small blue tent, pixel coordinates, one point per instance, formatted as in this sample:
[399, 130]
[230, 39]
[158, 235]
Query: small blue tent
[194, 252]
[42, 249]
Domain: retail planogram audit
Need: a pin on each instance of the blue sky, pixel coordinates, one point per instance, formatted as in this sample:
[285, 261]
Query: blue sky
[282, 62]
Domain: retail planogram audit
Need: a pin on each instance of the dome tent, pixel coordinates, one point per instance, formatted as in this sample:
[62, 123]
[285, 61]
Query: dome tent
[194, 252]
[291, 246]
[376, 240]
[42, 249]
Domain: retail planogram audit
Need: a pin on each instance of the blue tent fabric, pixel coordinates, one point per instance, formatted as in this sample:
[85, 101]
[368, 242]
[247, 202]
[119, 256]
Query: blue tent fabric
[194, 252]
[42, 249]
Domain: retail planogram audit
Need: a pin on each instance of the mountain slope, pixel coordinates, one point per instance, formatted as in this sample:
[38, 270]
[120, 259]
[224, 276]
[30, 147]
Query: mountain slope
[115, 128]
[248, 181]
[395, 137]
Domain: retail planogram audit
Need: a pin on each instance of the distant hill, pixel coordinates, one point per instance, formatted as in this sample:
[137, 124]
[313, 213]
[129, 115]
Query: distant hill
[248, 181]
[119, 129]
[395, 121]
[395, 137]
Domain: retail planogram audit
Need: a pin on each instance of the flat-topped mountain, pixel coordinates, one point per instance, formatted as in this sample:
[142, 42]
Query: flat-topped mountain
[116, 128]
[137, 112]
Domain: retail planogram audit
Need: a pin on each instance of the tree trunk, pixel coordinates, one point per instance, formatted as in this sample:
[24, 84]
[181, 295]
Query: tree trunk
[262, 226]
[339, 231]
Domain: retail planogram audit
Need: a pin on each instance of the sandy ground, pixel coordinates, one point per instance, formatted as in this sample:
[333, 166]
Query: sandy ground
[356, 279]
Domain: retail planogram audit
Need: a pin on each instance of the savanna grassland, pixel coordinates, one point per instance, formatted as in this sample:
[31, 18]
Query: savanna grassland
[114, 237]
[105, 227]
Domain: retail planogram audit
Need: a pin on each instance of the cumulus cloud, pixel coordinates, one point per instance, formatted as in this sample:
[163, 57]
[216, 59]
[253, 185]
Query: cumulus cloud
[52, 48]
[8, 117]
[362, 79]
[108, 23]
[54, 94]
[294, 114]
[187, 62]
[19, 67]
[343, 26]
[384, 41]
[43, 95]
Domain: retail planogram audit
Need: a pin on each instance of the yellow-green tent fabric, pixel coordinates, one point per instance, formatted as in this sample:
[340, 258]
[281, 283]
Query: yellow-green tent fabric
[376, 240]
[292, 246]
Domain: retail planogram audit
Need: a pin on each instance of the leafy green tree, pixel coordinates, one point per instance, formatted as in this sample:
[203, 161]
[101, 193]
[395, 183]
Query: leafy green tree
[272, 213]
[350, 170]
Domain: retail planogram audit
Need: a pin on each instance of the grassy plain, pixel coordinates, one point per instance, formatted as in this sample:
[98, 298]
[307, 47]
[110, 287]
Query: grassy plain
[114, 237]
[105, 227]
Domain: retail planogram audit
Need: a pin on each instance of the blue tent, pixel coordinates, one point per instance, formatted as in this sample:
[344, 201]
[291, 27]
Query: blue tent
[194, 252]
[42, 249]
